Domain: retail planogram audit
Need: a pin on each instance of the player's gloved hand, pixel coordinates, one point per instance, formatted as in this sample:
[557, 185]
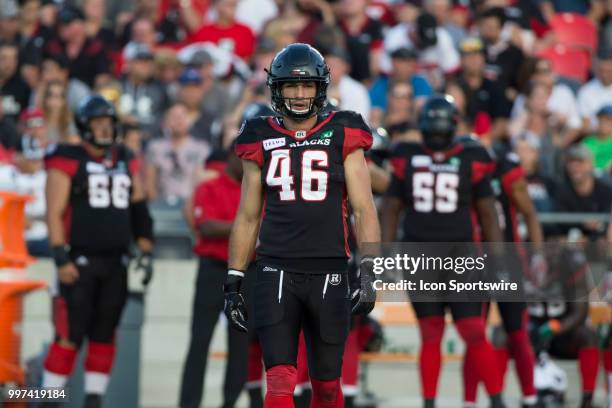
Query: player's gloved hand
[144, 266]
[363, 297]
[67, 272]
[548, 330]
[235, 307]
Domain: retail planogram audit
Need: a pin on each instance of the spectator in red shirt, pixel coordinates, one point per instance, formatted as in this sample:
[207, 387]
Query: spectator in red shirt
[225, 32]
[211, 214]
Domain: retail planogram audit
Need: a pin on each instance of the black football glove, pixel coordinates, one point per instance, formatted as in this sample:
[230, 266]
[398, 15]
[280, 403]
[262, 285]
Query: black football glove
[235, 307]
[144, 263]
[363, 296]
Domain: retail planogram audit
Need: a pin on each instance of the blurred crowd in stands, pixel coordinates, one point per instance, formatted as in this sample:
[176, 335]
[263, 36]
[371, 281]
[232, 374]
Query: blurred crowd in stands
[536, 75]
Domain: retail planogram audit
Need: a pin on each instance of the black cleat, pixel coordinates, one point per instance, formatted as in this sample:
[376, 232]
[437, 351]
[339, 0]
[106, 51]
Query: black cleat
[587, 400]
[497, 402]
[93, 401]
[429, 403]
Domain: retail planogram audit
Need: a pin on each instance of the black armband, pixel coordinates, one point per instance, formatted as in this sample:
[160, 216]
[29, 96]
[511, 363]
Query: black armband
[60, 255]
[142, 223]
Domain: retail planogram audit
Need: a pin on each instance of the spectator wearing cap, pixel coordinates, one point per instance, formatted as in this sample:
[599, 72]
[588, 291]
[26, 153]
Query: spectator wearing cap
[14, 92]
[600, 143]
[503, 58]
[55, 68]
[403, 68]
[217, 100]
[191, 93]
[87, 58]
[95, 22]
[175, 162]
[264, 54]
[482, 94]
[597, 92]
[141, 31]
[584, 193]
[364, 38]
[226, 32]
[143, 98]
[30, 178]
[436, 53]
[345, 93]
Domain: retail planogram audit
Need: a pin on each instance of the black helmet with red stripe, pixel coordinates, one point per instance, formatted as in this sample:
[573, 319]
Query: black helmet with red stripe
[298, 63]
[96, 106]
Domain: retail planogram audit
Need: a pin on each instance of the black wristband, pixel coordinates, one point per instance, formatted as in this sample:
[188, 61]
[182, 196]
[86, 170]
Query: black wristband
[60, 255]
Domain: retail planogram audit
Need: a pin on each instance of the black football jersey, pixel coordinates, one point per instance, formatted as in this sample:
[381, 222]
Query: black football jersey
[438, 189]
[304, 223]
[508, 171]
[568, 285]
[97, 219]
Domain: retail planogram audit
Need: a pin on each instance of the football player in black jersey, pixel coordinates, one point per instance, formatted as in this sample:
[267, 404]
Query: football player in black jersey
[510, 189]
[559, 325]
[301, 171]
[95, 208]
[436, 185]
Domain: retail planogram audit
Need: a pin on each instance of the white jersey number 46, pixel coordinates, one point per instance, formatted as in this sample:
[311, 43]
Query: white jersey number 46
[314, 181]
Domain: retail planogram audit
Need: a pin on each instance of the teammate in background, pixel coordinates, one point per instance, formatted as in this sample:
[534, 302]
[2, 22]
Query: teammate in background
[302, 169]
[510, 189]
[95, 209]
[212, 211]
[559, 326]
[436, 184]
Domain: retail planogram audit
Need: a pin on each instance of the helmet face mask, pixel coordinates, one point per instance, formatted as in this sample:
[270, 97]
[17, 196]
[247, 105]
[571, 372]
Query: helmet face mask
[102, 130]
[438, 122]
[96, 107]
[298, 63]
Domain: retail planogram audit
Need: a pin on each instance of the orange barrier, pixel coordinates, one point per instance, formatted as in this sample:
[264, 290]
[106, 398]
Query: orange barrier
[13, 250]
[13, 286]
[11, 293]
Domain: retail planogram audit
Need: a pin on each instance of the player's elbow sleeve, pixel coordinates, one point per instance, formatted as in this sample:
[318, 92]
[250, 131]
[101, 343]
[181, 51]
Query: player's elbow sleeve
[142, 222]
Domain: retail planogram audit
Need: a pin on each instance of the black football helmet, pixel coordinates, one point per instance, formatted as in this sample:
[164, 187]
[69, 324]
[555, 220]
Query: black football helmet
[96, 107]
[298, 63]
[438, 122]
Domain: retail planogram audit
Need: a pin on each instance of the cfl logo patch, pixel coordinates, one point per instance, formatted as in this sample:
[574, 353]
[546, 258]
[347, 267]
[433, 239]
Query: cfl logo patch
[334, 279]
